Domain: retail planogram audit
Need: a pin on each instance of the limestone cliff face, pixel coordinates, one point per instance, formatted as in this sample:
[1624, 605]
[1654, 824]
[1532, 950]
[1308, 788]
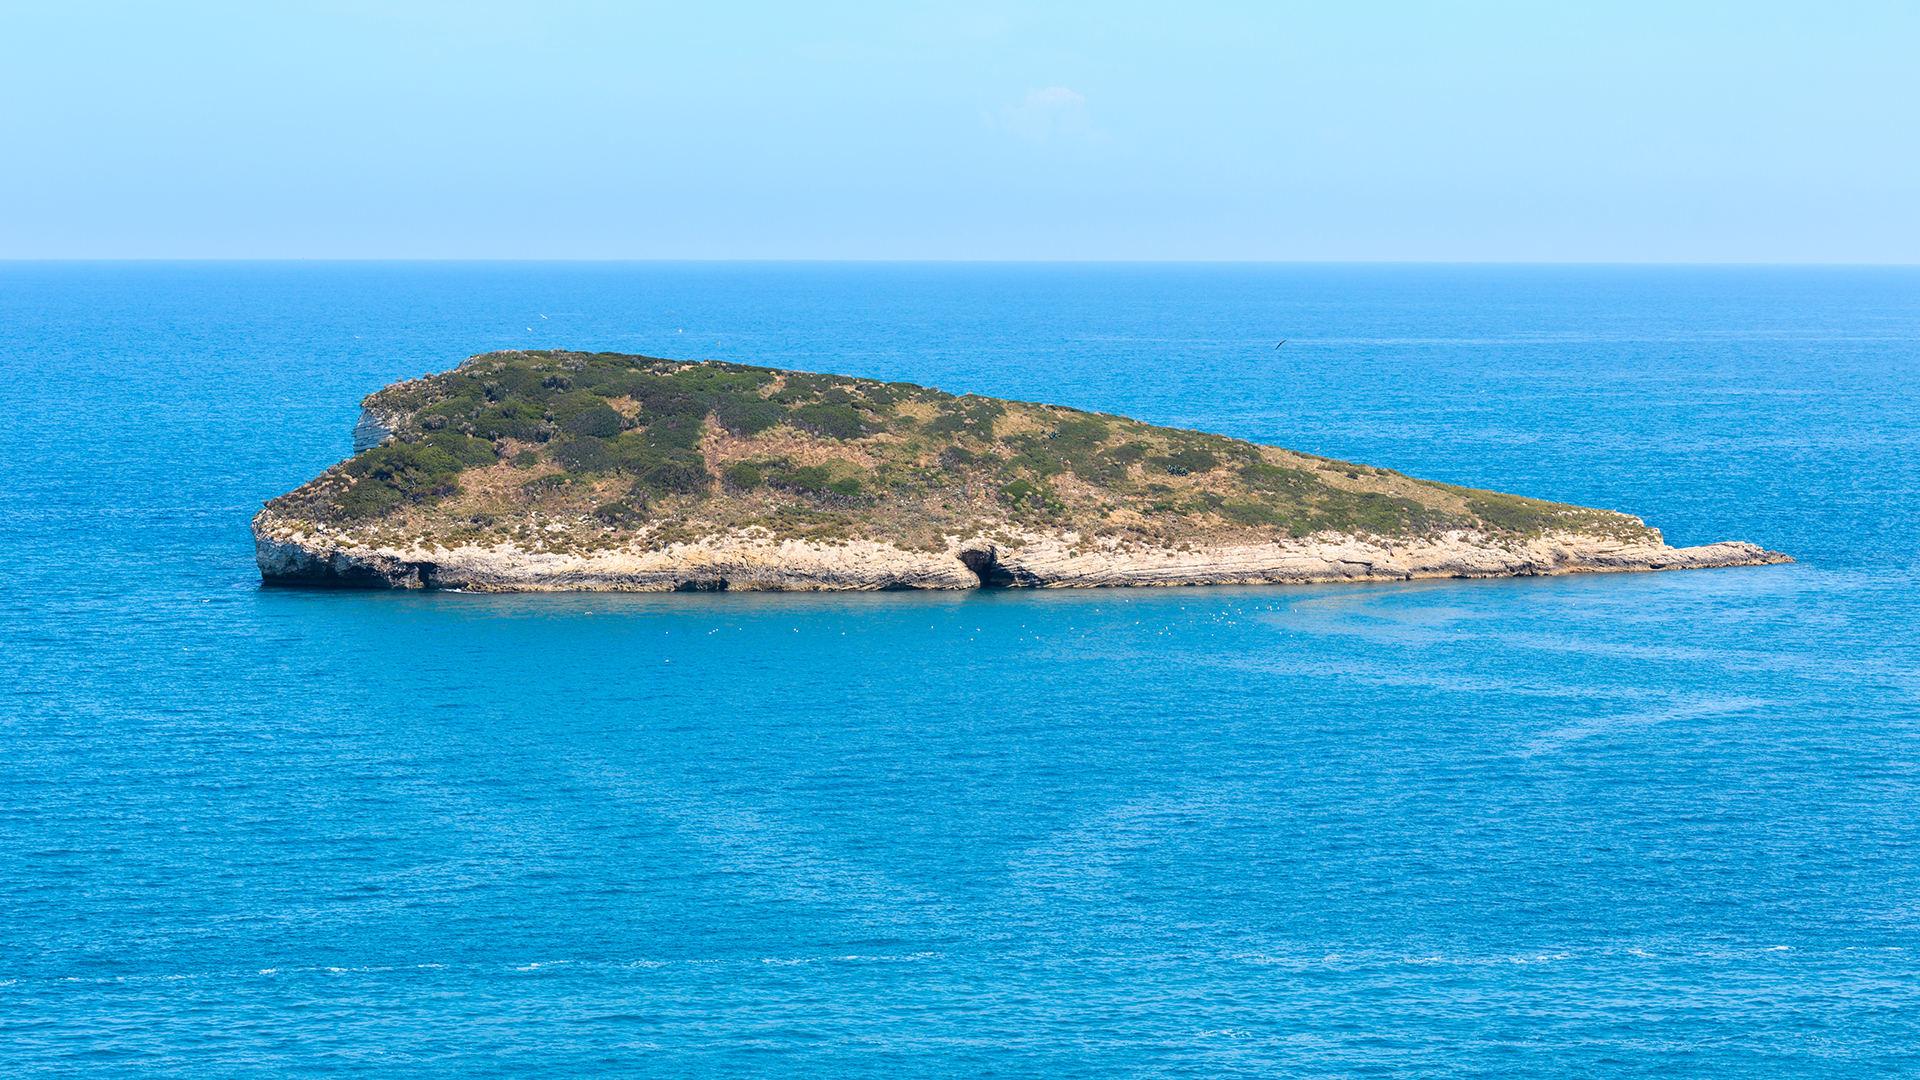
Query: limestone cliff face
[538, 471]
[373, 429]
[1042, 561]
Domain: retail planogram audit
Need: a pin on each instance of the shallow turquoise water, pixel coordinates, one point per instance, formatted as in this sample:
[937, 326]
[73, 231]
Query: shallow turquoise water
[1640, 825]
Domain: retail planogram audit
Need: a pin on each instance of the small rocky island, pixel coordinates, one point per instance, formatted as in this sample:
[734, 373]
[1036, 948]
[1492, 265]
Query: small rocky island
[539, 471]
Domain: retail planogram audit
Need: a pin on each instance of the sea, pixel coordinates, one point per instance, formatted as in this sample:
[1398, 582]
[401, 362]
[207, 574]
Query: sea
[1592, 826]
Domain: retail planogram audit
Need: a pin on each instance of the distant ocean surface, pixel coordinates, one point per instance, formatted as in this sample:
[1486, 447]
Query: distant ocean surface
[1643, 825]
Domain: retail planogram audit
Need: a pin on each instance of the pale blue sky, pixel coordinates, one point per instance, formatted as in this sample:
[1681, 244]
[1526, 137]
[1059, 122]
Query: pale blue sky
[1605, 132]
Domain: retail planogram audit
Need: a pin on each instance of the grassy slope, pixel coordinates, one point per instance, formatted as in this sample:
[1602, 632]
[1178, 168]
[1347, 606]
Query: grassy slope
[579, 451]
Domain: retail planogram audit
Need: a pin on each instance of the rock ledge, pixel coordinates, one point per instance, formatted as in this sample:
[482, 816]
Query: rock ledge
[287, 557]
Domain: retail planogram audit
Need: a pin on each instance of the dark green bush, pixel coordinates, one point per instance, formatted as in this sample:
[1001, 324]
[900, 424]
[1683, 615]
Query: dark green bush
[1080, 435]
[806, 478]
[368, 498]
[666, 398]
[803, 386]
[464, 449]
[970, 415]
[1188, 460]
[518, 381]
[745, 474]
[525, 459]
[656, 467]
[618, 514]
[835, 421]
[585, 454]
[687, 477]
[515, 418]
[454, 409]
[1276, 478]
[680, 432]
[725, 378]
[416, 472]
[1036, 460]
[600, 422]
[845, 486]
[745, 416]
[569, 405]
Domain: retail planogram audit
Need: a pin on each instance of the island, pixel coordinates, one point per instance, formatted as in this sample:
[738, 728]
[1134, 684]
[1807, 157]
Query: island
[548, 470]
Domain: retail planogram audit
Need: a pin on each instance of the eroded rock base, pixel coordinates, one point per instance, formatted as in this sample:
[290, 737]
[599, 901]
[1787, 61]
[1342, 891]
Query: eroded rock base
[745, 564]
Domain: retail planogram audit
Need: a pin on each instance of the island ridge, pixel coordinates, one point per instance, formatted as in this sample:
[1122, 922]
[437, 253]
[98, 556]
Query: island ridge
[550, 470]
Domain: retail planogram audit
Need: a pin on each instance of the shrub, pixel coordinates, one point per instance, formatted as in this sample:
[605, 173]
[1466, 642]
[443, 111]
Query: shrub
[684, 477]
[969, 415]
[1034, 454]
[803, 386]
[1276, 477]
[745, 416]
[807, 478]
[464, 449]
[1188, 460]
[835, 421]
[459, 408]
[585, 455]
[525, 459]
[567, 406]
[600, 422]
[368, 498]
[618, 514]
[726, 378]
[679, 432]
[665, 398]
[1080, 435]
[515, 418]
[745, 474]
[419, 472]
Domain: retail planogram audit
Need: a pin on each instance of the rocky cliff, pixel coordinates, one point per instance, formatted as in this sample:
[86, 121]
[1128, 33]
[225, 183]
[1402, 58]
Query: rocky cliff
[538, 471]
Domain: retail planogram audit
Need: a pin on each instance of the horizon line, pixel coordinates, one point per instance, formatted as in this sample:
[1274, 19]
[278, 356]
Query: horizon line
[11, 260]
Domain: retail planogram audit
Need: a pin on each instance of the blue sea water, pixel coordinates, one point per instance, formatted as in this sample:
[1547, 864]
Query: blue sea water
[1601, 826]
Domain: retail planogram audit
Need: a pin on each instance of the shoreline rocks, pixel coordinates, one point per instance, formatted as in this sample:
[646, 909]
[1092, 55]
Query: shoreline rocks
[744, 563]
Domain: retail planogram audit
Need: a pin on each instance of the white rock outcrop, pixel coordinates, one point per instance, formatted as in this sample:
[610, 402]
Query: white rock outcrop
[287, 554]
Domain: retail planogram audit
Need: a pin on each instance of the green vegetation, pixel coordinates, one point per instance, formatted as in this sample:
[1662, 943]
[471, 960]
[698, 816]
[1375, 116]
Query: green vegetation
[387, 476]
[665, 450]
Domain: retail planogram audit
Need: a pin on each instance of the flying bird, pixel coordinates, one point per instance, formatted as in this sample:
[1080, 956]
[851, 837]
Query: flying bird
[1283, 341]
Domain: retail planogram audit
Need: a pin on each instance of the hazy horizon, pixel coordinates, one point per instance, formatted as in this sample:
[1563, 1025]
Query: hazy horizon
[1495, 133]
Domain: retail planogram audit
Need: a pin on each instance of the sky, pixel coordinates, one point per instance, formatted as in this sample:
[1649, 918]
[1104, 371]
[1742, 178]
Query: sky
[1526, 132]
